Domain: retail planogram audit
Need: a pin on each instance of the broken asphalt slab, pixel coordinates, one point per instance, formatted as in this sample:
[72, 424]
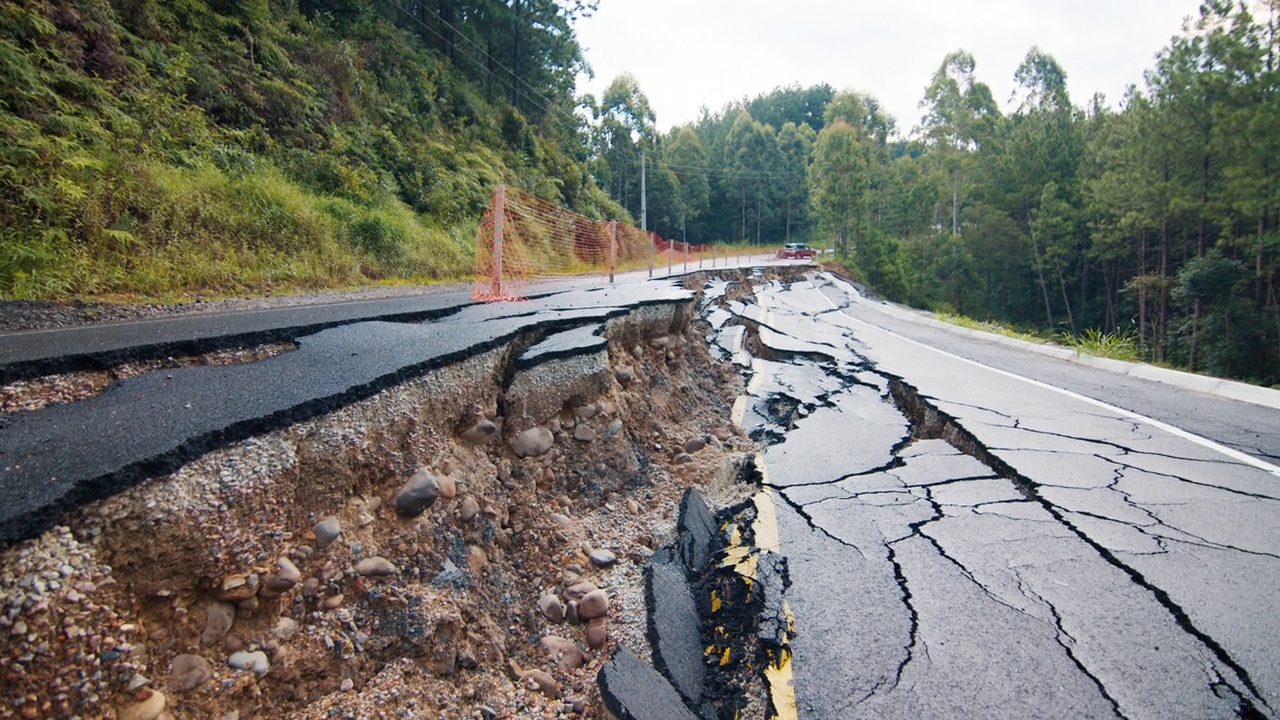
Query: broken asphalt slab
[675, 627]
[733, 604]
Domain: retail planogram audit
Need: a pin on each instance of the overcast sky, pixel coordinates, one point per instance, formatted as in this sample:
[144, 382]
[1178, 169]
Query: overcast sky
[690, 53]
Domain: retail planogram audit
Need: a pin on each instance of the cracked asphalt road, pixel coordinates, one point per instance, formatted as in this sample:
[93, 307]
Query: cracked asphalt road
[964, 542]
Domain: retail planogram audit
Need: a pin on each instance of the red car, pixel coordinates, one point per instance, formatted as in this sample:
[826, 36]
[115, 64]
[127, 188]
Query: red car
[796, 250]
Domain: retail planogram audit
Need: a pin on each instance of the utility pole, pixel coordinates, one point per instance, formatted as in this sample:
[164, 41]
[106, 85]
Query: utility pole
[644, 213]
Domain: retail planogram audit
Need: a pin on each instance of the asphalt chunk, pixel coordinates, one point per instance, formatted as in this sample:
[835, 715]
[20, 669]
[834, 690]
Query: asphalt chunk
[632, 690]
[674, 627]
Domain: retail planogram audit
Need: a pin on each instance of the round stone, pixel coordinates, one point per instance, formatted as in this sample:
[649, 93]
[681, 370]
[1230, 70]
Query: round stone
[309, 587]
[624, 375]
[189, 672]
[584, 433]
[593, 605]
[255, 661]
[615, 427]
[541, 681]
[375, 567]
[218, 619]
[551, 608]
[416, 495]
[448, 488]
[285, 628]
[148, 708]
[327, 530]
[284, 578]
[721, 434]
[469, 508]
[566, 654]
[601, 557]
[532, 442]
[597, 633]
[579, 590]
[695, 445]
[480, 433]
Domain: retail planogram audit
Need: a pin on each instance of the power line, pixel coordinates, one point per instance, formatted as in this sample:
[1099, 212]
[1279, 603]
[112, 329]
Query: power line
[550, 107]
[546, 105]
[730, 172]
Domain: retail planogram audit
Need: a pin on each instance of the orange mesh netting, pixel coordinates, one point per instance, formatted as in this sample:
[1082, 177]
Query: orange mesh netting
[522, 237]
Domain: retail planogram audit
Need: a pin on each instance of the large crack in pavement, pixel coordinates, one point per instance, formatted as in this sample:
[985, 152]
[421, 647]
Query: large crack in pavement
[822, 496]
[929, 416]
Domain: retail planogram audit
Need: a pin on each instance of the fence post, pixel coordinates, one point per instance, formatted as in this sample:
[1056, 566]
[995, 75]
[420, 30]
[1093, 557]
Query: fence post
[686, 256]
[499, 212]
[670, 246]
[650, 240]
[613, 248]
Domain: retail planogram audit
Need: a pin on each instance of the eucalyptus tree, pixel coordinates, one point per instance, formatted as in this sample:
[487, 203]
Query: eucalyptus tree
[688, 159]
[795, 144]
[960, 115]
[752, 150]
[839, 184]
[624, 130]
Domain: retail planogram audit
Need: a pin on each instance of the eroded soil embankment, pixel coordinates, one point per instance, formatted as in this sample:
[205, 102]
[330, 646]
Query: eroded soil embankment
[287, 576]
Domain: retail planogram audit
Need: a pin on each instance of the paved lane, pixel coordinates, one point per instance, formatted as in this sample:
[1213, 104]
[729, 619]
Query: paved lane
[1248, 427]
[966, 543]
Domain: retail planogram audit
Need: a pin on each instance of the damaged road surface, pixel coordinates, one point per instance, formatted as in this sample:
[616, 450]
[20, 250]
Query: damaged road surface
[963, 542]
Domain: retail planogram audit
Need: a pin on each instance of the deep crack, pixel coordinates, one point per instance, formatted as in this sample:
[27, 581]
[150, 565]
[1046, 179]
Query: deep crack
[1068, 648]
[917, 408]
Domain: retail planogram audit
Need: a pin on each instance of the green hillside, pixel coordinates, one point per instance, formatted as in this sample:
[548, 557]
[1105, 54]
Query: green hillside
[155, 148]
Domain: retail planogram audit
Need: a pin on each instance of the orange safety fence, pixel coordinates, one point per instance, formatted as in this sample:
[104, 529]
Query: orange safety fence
[523, 237]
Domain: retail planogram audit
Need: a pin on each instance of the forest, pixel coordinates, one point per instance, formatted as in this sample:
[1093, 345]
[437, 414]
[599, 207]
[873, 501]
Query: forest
[164, 149]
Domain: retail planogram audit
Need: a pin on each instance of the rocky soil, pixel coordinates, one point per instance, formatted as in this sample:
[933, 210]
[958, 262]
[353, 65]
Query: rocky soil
[425, 553]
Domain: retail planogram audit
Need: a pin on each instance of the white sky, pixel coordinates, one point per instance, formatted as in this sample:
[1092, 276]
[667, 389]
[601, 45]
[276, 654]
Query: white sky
[690, 53]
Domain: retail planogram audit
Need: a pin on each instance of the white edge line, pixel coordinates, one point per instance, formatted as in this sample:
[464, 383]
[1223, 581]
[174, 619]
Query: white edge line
[1176, 431]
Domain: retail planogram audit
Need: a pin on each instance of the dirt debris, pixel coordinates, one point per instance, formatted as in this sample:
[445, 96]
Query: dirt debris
[445, 620]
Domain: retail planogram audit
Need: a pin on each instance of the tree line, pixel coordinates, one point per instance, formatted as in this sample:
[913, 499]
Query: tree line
[1156, 219]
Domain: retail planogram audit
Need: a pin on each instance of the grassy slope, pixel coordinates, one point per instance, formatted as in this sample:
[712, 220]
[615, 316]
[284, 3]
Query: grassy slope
[155, 149]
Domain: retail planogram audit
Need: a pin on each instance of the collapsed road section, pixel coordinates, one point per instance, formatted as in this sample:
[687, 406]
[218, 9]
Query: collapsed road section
[446, 519]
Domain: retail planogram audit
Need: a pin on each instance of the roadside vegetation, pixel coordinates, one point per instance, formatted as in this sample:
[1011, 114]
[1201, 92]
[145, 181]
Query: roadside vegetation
[991, 326]
[1116, 345]
[156, 150]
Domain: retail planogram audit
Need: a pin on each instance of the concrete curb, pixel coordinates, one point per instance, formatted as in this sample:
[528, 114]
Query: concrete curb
[1229, 389]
